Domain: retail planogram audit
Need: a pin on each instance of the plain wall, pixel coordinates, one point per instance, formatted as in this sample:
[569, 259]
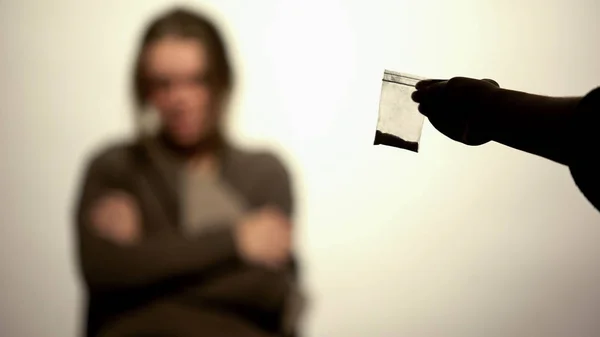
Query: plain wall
[453, 241]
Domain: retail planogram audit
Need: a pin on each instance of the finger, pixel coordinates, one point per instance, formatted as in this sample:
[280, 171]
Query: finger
[99, 214]
[491, 82]
[270, 257]
[109, 215]
[449, 125]
[107, 203]
[104, 222]
[285, 239]
[124, 201]
[101, 226]
[112, 198]
[427, 109]
[121, 199]
[131, 204]
[432, 97]
[101, 204]
[424, 84]
[435, 92]
[417, 96]
[112, 211]
[123, 205]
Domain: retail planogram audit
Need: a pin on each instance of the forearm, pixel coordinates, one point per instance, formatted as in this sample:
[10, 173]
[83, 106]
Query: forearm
[107, 266]
[535, 124]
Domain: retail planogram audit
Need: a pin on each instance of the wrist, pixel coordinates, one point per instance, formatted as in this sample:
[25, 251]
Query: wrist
[482, 123]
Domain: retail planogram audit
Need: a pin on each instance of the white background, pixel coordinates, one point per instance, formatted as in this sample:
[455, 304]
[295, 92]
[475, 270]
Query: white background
[453, 241]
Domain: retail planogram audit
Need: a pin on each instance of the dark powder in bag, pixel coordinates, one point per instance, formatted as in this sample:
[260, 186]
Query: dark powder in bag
[399, 123]
[382, 138]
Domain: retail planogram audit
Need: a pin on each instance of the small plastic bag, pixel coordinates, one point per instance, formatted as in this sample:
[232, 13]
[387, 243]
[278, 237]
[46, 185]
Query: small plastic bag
[400, 123]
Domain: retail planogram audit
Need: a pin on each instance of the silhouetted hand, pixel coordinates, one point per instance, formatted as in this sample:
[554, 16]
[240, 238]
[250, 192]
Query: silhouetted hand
[116, 218]
[459, 108]
[264, 238]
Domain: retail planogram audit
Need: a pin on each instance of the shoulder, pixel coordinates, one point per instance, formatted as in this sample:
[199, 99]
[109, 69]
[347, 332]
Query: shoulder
[585, 140]
[114, 156]
[109, 165]
[262, 177]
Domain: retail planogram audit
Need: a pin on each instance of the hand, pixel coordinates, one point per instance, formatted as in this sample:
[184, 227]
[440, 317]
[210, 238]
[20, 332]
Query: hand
[459, 108]
[264, 238]
[116, 217]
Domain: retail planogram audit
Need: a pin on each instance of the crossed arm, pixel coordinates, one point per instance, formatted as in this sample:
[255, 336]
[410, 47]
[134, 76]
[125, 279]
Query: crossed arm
[117, 258]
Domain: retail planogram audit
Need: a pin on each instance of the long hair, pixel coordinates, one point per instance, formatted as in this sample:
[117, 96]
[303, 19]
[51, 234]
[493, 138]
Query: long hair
[185, 23]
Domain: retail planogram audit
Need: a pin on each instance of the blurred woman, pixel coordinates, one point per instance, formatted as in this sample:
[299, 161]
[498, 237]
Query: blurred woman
[180, 233]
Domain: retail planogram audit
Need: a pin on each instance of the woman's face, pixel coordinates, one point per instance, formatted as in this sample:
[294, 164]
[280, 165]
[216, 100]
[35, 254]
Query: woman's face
[177, 69]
